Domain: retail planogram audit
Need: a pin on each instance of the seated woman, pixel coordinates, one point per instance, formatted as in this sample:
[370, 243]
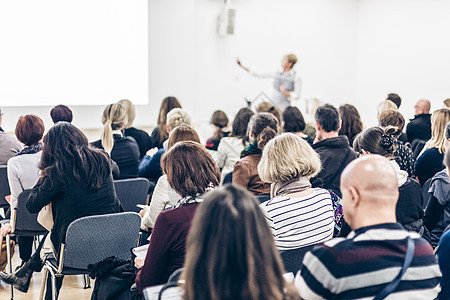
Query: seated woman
[429, 161]
[123, 150]
[298, 215]
[220, 122]
[294, 122]
[230, 251]
[351, 122]
[376, 140]
[191, 171]
[261, 129]
[230, 148]
[437, 212]
[77, 181]
[159, 134]
[140, 136]
[164, 196]
[23, 171]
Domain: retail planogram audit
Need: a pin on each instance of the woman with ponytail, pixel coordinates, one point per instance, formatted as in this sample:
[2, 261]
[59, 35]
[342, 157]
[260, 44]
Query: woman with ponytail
[123, 150]
[376, 140]
[261, 129]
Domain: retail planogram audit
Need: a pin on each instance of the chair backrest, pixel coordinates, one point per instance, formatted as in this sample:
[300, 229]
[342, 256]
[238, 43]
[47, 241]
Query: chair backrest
[228, 178]
[26, 222]
[131, 192]
[425, 195]
[91, 239]
[293, 259]
[4, 187]
[417, 146]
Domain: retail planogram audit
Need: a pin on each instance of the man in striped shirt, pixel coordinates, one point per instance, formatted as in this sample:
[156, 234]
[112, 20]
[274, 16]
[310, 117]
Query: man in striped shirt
[372, 255]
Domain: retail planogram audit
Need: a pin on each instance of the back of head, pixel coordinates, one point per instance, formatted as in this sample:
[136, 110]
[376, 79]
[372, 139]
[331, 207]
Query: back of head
[167, 105]
[181, 133]
[240, 123]
[377, 140]
[176, 117]
[287, 157]
[439, 120]
[190, 169]
[447, 103]
[351, 121]
[263, 127]
[395, 98]
[291, 58]
[384, 106]
[328, 118]
[269, 108]
[131, 111]
[236, 261]
[29, 130]
[68, 158]
[392, 118]
[114, 118]
[220, 120]
[293, 120]
[61, 113]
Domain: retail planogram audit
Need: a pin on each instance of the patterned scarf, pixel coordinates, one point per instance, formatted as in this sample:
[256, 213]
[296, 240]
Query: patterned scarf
[251, 149]
[31, 149]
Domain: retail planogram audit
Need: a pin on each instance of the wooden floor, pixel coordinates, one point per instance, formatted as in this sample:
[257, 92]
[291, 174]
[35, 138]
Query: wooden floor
[72, 288]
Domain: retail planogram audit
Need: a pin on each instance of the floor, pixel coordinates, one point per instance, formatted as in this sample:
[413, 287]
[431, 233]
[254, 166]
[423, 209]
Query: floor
[72, 288]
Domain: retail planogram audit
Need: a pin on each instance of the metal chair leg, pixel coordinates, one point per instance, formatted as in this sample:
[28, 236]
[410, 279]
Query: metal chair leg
[8, 255]
[87, 281]
[53, 278]
[44, 283]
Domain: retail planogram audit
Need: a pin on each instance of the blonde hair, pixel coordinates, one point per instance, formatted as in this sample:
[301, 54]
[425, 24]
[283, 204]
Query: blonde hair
[384, 106]
[292, 58]
[114, 117]
[439, 119]
[176, 117]
[287, 157]
[131, 111]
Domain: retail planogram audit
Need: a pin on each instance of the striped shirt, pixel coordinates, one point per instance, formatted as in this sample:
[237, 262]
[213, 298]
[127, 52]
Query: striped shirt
[360, 266]
[299, 222]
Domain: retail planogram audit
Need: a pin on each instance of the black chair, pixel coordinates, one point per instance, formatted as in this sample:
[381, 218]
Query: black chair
[131, 192]
[4, 188]
[228, 178]
[293, 259]
[425, 195]
[417, 146]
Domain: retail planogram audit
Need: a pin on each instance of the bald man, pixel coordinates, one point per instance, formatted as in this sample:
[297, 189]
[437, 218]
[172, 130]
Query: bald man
[419, 128]
[363, 264]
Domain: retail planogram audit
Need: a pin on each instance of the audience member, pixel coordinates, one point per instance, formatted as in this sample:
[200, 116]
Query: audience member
[140, 136]
[9, 145]
[269, 108]
[150, 166]
[23, 172]
[61, 113]
[403, 153]
[160, 134]
[164, 196]
[123, 150]
[409, 211]
[385, 105]
[76, 180]
[191, 171]
[351, 122]
[220, 122]
[298, 215]
[230, 253]
[443, 253]
[230, 148]
[419, 128]
[334, 149]
[437, 212]
[372, 260]
[429, 161]
[261, 129]
[294, 122]
[395, 98]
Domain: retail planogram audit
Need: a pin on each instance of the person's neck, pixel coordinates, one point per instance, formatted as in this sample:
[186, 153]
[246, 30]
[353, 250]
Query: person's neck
[287, 69]
[327, 135]
[372, 219]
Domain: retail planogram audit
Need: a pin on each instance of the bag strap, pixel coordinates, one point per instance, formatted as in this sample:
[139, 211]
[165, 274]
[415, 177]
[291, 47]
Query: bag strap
[165, 287]
[392, 286]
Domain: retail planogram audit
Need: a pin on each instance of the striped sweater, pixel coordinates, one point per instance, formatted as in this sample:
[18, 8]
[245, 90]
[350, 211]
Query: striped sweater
[359, 266]
[300, 222]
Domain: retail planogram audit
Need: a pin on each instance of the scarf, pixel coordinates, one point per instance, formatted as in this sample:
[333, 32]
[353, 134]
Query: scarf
[188, 199]
[31, 149]
[251, 149]
[293, 186]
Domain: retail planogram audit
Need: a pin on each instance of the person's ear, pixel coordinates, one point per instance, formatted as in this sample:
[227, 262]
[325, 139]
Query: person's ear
[167, 128]
[354, 197]
[318, 127]
[340, 124]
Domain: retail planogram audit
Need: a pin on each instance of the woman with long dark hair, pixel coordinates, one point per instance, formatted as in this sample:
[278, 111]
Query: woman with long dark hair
[219, 120]
[160, 134]
[76, 180]
[351, 122]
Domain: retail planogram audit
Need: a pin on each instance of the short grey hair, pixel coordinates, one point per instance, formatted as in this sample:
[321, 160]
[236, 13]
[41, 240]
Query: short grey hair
[176, 117]
[287, 157]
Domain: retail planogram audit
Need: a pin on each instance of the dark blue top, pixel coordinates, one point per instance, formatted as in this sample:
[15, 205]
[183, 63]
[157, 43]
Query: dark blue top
[150, 166]
[428, 164]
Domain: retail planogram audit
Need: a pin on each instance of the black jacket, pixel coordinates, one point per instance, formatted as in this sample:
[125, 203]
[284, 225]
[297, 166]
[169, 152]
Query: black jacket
[142, 139]
[335, 153]
[419, 128]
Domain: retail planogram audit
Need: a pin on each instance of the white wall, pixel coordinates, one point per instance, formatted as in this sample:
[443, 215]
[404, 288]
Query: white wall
[402, 48]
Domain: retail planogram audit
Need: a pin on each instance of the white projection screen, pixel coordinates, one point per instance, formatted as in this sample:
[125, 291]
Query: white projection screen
[83, 52]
